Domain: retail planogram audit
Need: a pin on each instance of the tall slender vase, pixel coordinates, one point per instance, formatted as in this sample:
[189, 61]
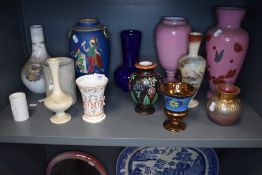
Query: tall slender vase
[32, 74]
[171, 43]
[193, 66]
[57, 101]
[226, 47]
[130, 41]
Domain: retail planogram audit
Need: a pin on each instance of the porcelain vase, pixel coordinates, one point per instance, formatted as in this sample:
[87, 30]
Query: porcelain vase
[192, 66]
[130, 41]
[171, 43]
[57, 101]
[226, 47]
[92, 88]
[224, 108]
[89, 47]
[144, 86]
[32, 74]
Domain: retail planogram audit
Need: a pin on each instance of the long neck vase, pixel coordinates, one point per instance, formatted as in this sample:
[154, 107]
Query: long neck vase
[192, 66]
[32, 74]
[57, 101]
[130, 41]
[226, 47]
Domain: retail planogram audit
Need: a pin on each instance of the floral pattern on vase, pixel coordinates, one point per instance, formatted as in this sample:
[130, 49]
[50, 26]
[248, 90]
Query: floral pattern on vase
[226, 47]
[144, 87]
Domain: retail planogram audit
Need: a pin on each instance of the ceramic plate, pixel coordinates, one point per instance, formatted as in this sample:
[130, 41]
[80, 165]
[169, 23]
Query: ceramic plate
[167, 161]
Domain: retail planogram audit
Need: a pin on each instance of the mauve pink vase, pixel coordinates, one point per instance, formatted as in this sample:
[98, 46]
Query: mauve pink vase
[171, 43]
[226, 47]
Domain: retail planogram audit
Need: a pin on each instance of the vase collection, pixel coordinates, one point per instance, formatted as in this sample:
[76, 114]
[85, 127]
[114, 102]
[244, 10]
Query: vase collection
[178, 53]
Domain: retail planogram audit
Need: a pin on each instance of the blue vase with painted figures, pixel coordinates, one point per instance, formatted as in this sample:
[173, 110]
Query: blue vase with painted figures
[89, 47]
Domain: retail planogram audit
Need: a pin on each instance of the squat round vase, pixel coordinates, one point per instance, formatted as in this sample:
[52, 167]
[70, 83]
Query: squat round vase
[177, 96]
[226, 47]
[92, 88]
[32, 74]
[192, 66]
[224, 108]
[130, 41]
[144, 87]
[89, 47]
[57, 101]
[171, 43]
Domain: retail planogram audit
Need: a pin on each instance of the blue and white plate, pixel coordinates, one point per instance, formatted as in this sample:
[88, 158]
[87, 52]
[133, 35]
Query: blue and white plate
[167, 161]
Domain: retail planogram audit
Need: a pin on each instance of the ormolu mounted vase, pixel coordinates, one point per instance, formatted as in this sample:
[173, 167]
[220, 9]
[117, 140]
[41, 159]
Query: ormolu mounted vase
[89, 47]
[144, 87]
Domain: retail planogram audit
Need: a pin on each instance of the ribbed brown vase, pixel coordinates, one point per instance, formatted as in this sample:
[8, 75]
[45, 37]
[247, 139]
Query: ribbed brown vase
[224, 108]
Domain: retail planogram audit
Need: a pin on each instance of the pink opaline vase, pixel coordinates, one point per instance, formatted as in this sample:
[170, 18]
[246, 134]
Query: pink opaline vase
[226, 47]
[171, 43]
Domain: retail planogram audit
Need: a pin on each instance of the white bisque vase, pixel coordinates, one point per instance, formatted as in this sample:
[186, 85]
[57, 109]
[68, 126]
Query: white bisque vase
[32, 74]
[192, 66]
[92, 88]
[57, 101]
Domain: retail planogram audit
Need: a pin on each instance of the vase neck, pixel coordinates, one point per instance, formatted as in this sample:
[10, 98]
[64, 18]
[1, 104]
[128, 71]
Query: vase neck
[227, 91]
[194, 44]
[230, 17]
[54, 66]
[38, 43]
[130, 41]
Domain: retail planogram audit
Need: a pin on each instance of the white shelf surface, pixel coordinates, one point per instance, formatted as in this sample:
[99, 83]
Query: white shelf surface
[124, 127]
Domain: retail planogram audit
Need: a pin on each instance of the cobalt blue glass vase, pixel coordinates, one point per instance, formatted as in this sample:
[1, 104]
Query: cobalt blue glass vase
[89, 47]
[130, 41]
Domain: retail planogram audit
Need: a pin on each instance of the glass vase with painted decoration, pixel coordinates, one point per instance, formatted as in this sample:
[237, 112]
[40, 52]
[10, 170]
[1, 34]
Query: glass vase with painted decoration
[92, 88]
[89, 46]
[32, 73]
[144, 86]
[226, 47]
[225, 108]
[177, 96]
[192, 66]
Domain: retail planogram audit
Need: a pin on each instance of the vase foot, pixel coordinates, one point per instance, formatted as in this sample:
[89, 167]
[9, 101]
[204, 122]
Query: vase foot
[193, 103]
[144, 110]
[94, 119]
[174, 126]
[210, 94]
[61, 118]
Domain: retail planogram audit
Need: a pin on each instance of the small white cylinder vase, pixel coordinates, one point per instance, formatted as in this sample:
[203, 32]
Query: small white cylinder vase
[92, 88]
[19, 106]
[192, 66]
[57, 101]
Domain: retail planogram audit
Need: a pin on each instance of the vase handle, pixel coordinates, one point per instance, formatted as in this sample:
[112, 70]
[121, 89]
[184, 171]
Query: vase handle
[106, 32]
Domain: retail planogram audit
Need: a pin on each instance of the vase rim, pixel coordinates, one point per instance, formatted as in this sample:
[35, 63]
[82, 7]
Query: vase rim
[174, 18]
[145, 65]
[131, 31]
[231, 8]
[52, 60]
[92, 81]
[171, 89]
[228, 89]
[88, 20]
[36, 26]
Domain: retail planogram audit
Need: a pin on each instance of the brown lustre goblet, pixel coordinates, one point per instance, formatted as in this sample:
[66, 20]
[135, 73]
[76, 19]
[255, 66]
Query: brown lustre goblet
[177, 96]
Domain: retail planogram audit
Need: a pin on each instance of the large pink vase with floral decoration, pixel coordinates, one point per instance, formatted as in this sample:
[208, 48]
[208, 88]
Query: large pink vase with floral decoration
[226, 47]
[171, 43]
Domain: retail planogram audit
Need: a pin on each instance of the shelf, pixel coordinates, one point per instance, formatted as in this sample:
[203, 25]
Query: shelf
[123, 127]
